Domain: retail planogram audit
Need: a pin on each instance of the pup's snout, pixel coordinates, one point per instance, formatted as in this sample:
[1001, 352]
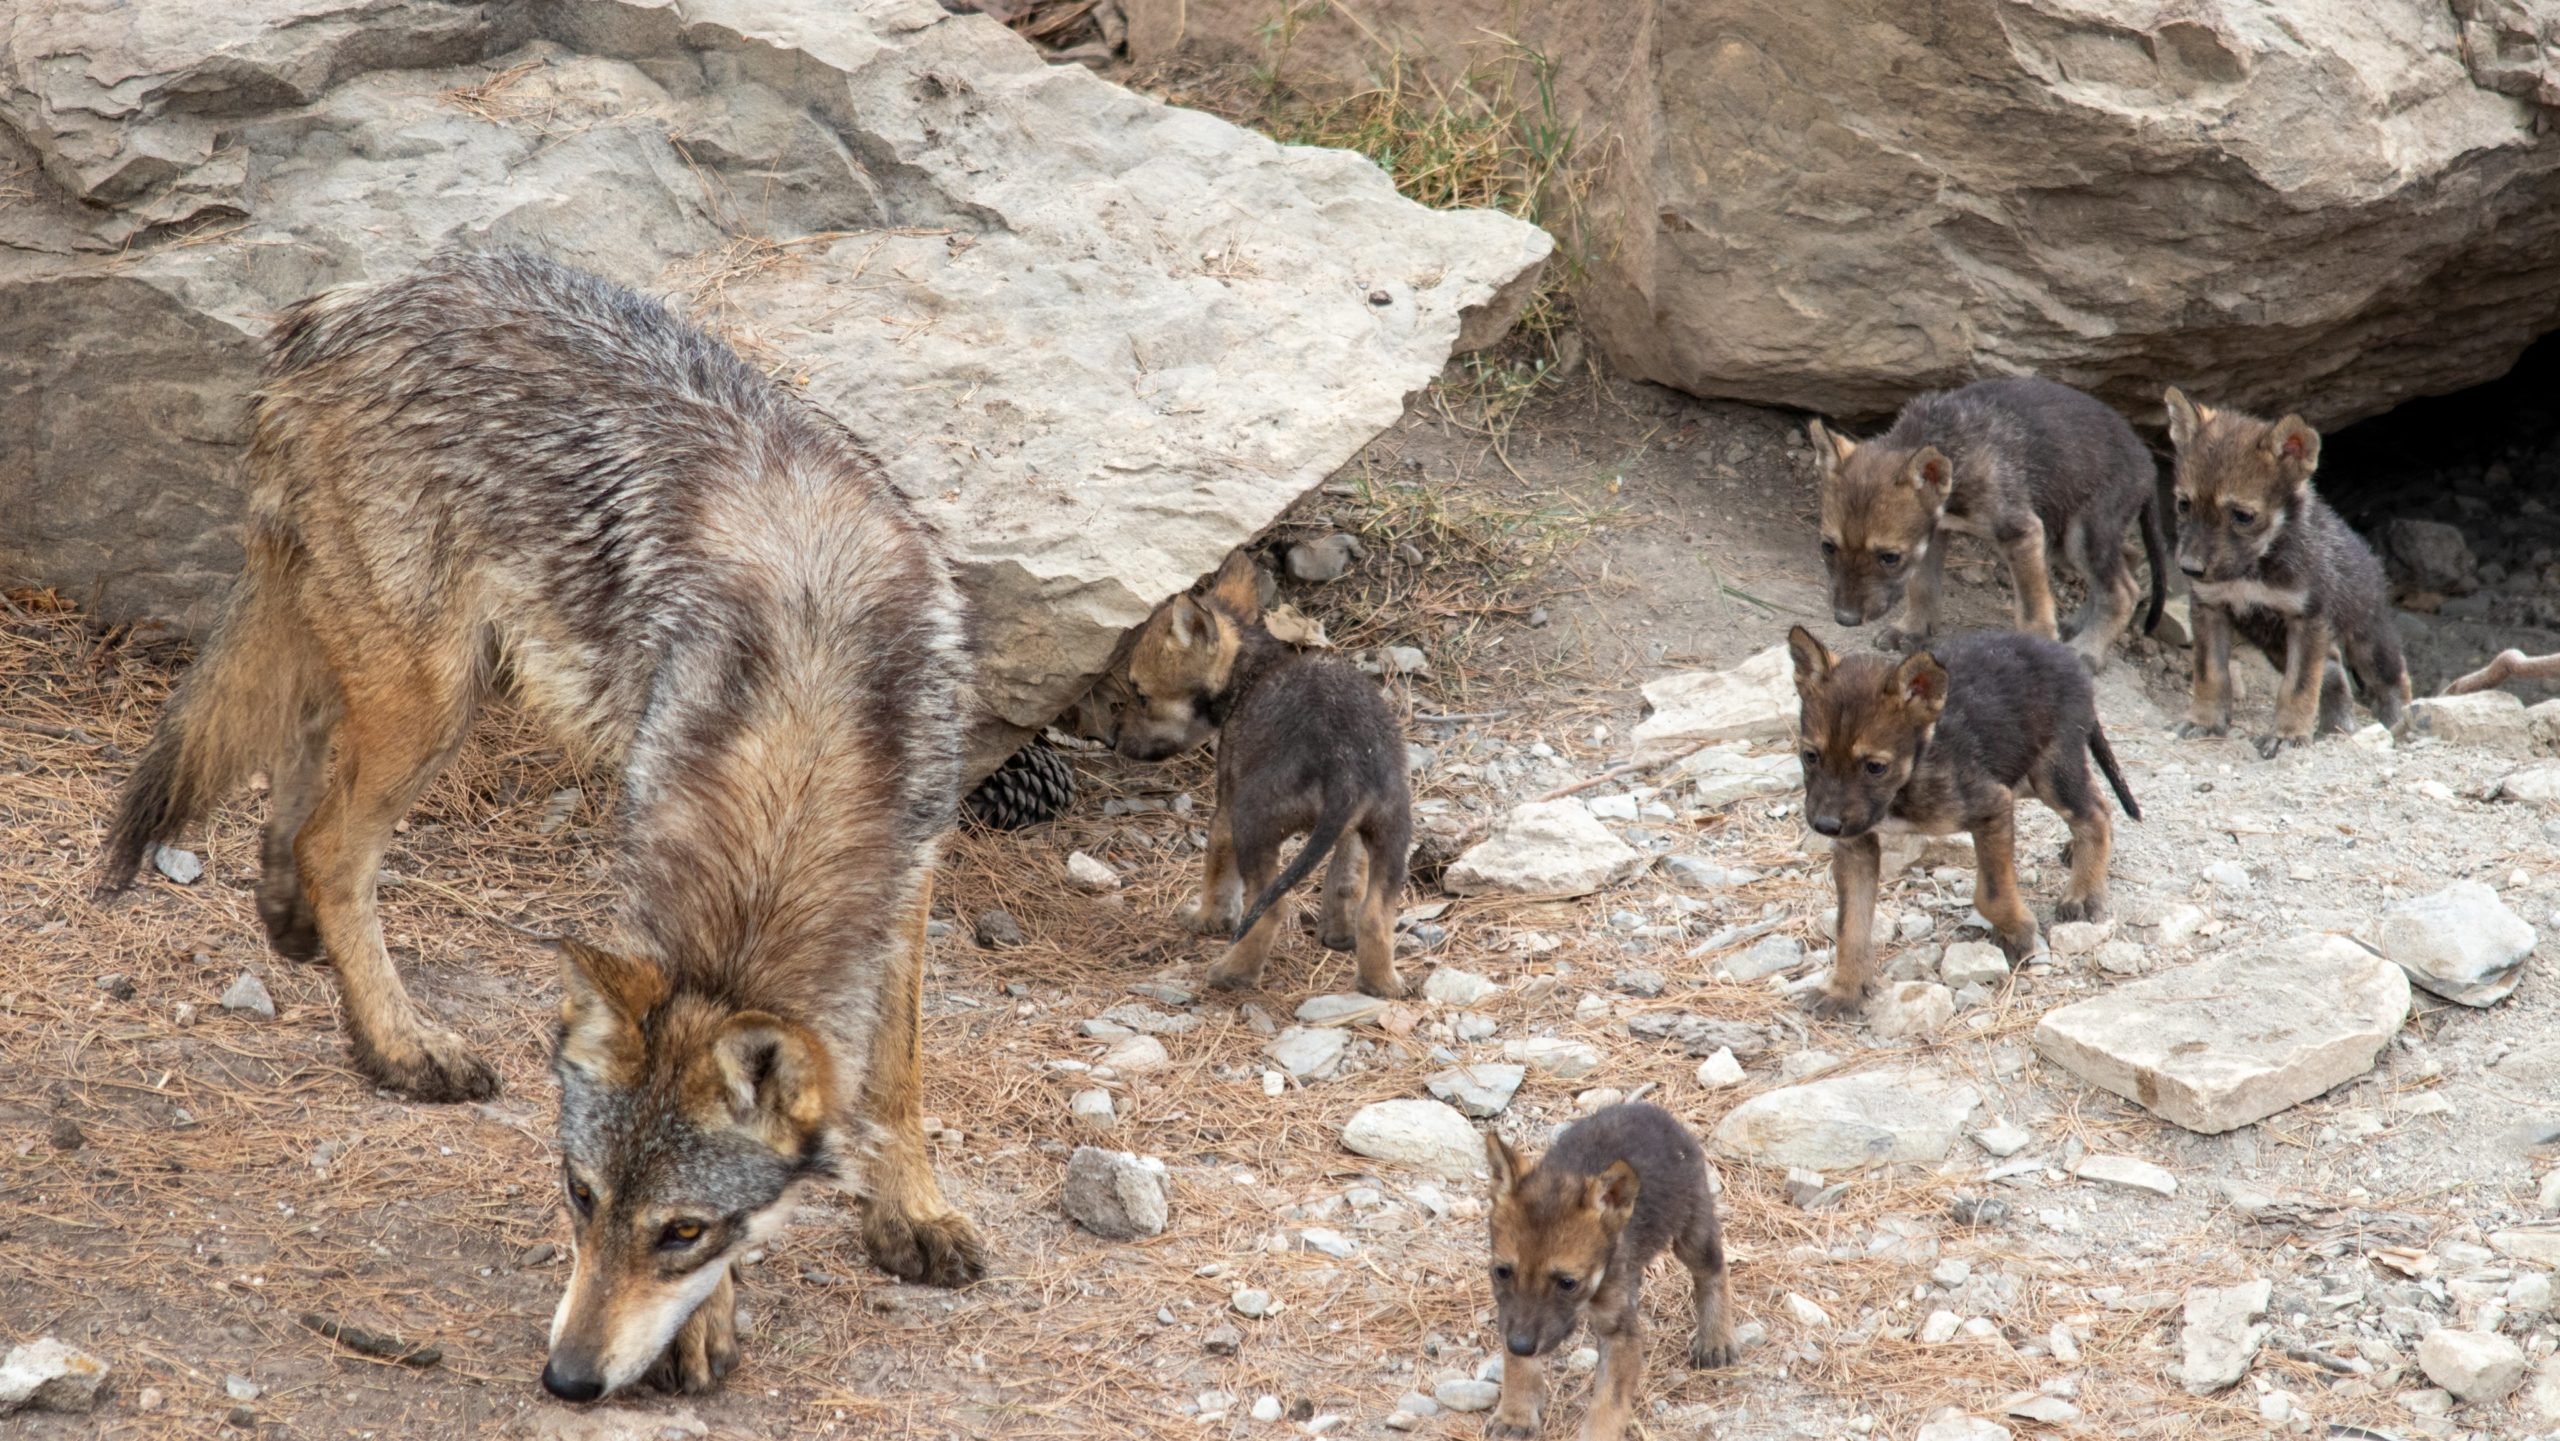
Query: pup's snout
[569, 1385]
[1848, 615]
[2193, 570]
[1521, 1343]
[1827, 825]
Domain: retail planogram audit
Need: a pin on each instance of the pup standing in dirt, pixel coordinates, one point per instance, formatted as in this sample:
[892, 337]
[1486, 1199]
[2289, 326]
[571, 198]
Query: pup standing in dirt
[1942, 741]
[1571, 1239]
[1306, 746]
[2266, 557]
[2036, 467]
[497, 467]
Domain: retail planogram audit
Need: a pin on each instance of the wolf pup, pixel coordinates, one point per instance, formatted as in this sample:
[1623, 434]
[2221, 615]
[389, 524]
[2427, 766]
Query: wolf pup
[2036, 467]
[1571, 1238]
[499, 467]
[1306, 746]
[2266, 557]
[1946, 740]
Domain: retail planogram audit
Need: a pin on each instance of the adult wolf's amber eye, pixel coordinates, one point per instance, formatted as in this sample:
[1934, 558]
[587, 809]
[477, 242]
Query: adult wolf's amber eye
[679, 1235]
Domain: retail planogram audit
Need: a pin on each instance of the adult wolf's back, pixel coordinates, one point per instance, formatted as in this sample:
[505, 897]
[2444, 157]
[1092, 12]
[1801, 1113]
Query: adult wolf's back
[500, 467]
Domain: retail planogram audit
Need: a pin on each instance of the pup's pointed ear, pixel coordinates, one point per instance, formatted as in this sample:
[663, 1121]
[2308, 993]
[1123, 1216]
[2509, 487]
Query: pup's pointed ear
[2296, 448]
[1813, 661]
[1930, 471]
[772, 1078]
[1830, 447]
[1505, 1165]
[2186, 418]
[1184, 622]
[1920, 683]
[1612, 1194]
[1238, 587]
[604, 999]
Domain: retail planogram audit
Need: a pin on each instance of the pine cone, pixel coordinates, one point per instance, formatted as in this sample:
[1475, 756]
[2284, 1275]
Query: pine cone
[1035, 784]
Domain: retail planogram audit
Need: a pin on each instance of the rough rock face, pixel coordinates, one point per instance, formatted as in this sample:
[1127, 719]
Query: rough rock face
[1098, 340]
[2275, 203]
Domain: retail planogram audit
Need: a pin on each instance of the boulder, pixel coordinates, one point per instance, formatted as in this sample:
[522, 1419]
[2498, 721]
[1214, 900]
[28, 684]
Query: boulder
[2461, 942]
[1426, 1135]
[1544, 848]
[1755, 700]
[1872, 1118]
[1097, 339]
[2329, 205]
[2236, 1038]
[2433, 555]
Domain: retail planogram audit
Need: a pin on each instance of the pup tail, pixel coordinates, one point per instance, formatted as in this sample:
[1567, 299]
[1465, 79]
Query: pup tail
[255, 685]
[2155, 545]
[2105, 756]
[1336, 819]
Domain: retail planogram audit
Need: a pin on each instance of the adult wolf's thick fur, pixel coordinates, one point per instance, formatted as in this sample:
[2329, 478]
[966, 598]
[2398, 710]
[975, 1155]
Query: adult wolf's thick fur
[498, 471]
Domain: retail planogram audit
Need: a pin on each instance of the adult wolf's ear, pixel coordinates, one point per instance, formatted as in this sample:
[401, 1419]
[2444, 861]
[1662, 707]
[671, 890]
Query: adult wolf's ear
[773, 1079]
[604, 999]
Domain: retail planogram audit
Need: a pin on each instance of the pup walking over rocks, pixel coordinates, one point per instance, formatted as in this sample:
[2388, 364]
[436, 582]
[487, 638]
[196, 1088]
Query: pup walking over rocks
[1945, 740]
[1306, 746]
[2037, 468]
[1571, 1238]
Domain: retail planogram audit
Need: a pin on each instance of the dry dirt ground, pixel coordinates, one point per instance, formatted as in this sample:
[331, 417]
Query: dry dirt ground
[174, 1196]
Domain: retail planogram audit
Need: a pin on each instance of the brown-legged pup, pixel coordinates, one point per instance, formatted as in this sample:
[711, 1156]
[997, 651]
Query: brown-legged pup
[1944, 740]
[1306, 746]
[2267, 558]
[2037, 468]
[1571, 1238]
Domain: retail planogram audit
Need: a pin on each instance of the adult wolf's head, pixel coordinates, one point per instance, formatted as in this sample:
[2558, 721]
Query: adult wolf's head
[685, 1127]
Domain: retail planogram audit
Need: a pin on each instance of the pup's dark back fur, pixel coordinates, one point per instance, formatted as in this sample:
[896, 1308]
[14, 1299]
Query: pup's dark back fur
[1310, 742]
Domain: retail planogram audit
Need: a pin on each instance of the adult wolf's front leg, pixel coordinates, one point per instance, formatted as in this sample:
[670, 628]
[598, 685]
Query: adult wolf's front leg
[907, 1226]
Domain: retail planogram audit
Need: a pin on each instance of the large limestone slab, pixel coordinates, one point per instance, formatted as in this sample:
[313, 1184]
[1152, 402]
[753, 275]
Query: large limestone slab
[1098, 340]
[2236, 1038]
[1871, 1118]
[1755, 700]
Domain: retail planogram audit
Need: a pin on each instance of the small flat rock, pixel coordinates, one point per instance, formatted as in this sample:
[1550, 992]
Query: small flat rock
[1544, 848]
[1091, 876]
[1973, 963]
[2491, 718]
[1706, 875]
[1310, 1053]
[1327, 1242]
[2078, 938]
[1115, 1195]
[2534, 785]
[117, 984]
[249, 994]
[604, 1423]
[1940, 1328]
[2234, 1039]
[1092, 1110]
[47, 1375]
[997, 929]
[1872, 1118]
[1805, 1311]
[1962, 1428]
[1265, 1408]
[2462, 943]
[1427, 1135]
[2533, 1245]
[2004, 1140]
[1910, 1008]
[1467, 1395]
[1252, 1305]
[1611, 808]
[1755, 700]
[2120, 958]
[180, 866]
[1404, 660]
[2230, 877]
[1566, 1060]
[1480, 1090]
[2132, 1173]
[1720, 1070]
[2478, 1367]
[2178, 924]
[1325, 558]
[1136, 1056]
[2219, 1334]
[1451, 987]
[2036, 1406]
[1222, 1341]
[241, 1388]
[1148, 1021]
[1767, 957]
[1340, 1009]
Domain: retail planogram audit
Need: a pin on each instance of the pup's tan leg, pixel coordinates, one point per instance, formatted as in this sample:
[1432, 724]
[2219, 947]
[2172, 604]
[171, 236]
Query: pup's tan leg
[1521, 1413]
[404, 720]
[2209, 704]
[705, 1350]
[2035, 585]
[2092, 842]
[1240, 969]
[1378, 938]
[1220, 904]
[2113, 612]
[1855, 865]
[1995, 884]
[908, 1228]
[1621, 1379]
[2306, 666]
[1920, 598]
[1701, 1249]
[1338, 926]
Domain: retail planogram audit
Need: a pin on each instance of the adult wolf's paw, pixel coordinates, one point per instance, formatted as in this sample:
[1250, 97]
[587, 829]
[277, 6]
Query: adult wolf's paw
[938, 1250]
